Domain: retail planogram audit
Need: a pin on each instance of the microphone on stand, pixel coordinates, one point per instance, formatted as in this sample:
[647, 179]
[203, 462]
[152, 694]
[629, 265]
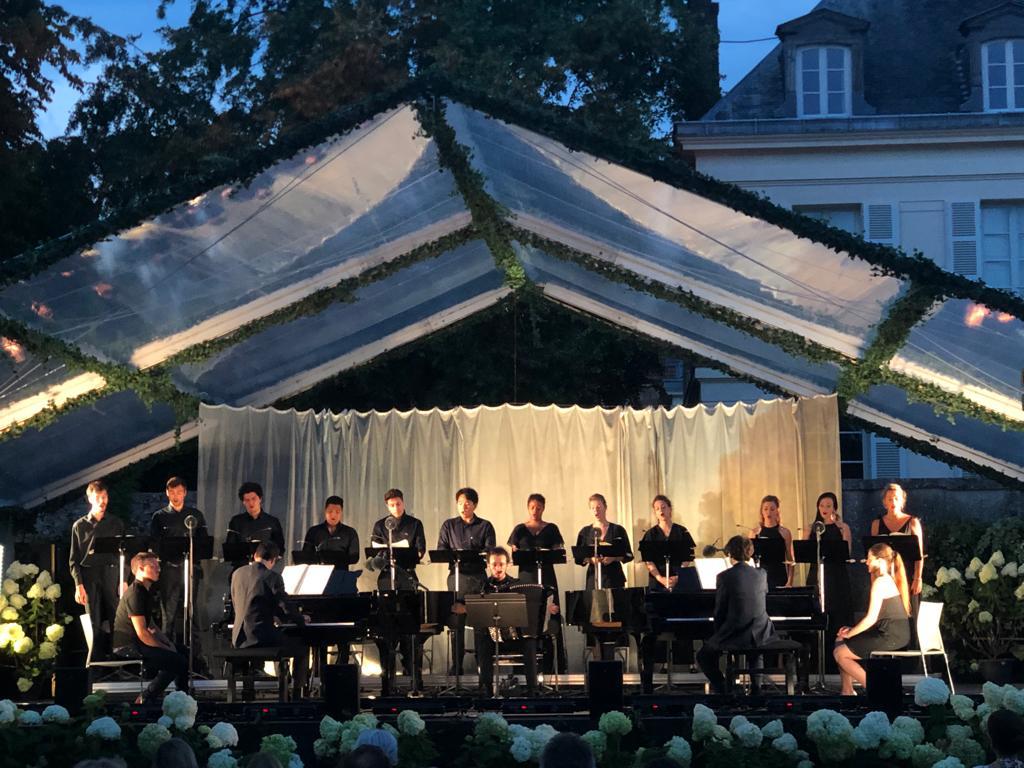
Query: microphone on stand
[191, 522]
[710, 550]
[818, 527]
[391, 523]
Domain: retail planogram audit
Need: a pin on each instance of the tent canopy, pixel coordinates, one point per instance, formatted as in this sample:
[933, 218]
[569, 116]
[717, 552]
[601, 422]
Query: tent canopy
[432, 211]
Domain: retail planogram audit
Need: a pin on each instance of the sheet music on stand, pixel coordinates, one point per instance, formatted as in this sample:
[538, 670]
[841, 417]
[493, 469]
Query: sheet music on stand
[306, 579]
[708, 569]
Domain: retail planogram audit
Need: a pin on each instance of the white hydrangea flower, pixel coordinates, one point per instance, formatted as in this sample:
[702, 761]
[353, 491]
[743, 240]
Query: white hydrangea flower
[899, 746]
[10, 613]
[35, 592]
[151, 737]
[927, 590]
[993, 695]
[1013, 700]
[366, 720]
[749, 736]
[997, 559]
[952, 574]
[786, 743]
[772, 729]
[165, 721]
[294, 761]
[833, 735]
[44, 580]
[1010, 569]
[54, 633]
[330, 729]
[47, 650]
[222, 759]
[53, 592]
[23, 685]
[679, 750]
[29, 569]
[540, 736]
[931, 691]
[925, 756]
[23, 645]
[30, 718]
[521, 749]
[704, 722]
[410, 723]
[324, 749]
[222, 735]
[182, 709]
[909, 726]
[737, 722]
[8, 711]
[871, 730]
[1019, 591]
[988, 573]
[805, 764]
[10, 587]
[14, 571]
[491, 724]
[55, 713]
[17, 601]
[972, 568]
[598, 742]
[721, 734]
[105, 728]
[984, 617]
[963, 706]
[615, 723]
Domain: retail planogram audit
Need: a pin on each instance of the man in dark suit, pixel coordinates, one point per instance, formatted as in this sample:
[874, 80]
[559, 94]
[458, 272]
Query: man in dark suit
[741, 612]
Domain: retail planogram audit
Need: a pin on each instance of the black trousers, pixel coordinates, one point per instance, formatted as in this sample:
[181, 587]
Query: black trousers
[171, 596]
[469, 584]
[100, 584]
[412, 661]
[485, 648]
[169, 665]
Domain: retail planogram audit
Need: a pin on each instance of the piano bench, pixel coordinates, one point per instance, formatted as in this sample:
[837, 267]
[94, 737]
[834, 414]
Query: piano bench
[736, 662]
[249, 657]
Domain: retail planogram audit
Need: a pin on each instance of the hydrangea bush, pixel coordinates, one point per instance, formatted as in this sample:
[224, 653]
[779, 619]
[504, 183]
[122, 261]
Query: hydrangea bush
[31, 628]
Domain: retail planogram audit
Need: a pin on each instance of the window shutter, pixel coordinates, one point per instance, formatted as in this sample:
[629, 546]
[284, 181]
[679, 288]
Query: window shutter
[963, 238]
[881, 224]
[886, 458]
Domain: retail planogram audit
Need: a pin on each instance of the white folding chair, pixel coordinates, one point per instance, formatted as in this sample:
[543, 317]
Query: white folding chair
[929, 640]
[116, 664]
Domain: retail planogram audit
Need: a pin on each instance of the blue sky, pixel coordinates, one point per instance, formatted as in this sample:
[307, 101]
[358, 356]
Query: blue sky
[738, 20]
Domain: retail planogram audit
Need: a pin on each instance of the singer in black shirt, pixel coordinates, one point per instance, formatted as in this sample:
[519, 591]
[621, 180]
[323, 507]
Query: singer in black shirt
[169, 522]
[333, 535]
[254, 524]
[612, 575]
[404, 528]
[467, 531]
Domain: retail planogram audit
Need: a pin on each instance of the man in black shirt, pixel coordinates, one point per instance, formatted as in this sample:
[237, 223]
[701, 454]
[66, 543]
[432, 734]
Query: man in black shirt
[333, 535]
[465, 532]
[136, 634]
[404, 528]
[253, 524]
[500, 581]
[96, 574]
[170, 522]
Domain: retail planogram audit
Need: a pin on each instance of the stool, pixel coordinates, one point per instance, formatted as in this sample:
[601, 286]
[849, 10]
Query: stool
[736, 662]
[281, 656]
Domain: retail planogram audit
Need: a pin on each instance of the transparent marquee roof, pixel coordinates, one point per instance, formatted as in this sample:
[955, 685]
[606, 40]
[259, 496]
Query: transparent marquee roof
[360, 201]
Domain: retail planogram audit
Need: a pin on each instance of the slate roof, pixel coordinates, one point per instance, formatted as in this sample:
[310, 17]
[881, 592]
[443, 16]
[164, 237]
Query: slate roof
[914, 61]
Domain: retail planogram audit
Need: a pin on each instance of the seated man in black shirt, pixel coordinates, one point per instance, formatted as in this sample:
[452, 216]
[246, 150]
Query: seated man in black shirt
[500, 581]
[136, 634]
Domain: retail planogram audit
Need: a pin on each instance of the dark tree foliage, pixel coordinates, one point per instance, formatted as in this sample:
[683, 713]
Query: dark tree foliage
[527, 350]
[246, 72]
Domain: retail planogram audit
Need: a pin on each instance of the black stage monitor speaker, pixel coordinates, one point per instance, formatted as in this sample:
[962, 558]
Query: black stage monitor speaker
[604, 686]
[71, 685]
[341, 690]
[885, 685]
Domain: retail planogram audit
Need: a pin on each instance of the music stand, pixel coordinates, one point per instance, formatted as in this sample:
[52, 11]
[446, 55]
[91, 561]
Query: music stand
[238, 553]
[536, 559]
[406, 558]
[581, 554]
[906, 545]
[817, 553]
[672, 553]
[498, 611]
[125, 547]
[339, 558]
[769, 550]
[458, 557]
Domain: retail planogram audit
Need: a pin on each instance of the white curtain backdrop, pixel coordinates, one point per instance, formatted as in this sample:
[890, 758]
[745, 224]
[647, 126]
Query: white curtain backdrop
[714, 463]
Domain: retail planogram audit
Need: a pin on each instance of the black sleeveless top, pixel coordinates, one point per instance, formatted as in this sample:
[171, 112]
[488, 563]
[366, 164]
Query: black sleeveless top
[777, 573]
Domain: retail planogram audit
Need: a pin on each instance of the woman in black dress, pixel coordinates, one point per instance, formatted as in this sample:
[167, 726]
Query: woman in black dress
[612, 575]
[886, 625]
[897, 522]
[535, 533]
[780, 572]
[665, 530]
[838, 600]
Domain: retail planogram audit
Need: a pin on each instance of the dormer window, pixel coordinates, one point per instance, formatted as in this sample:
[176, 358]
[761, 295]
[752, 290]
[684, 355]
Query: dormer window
[823, 81]
[1002, 68]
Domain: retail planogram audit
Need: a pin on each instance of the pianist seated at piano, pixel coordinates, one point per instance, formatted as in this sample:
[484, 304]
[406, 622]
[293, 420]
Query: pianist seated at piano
[886, 625]
[261, 606]
[741, 611]
[333, 535]
[501, 581]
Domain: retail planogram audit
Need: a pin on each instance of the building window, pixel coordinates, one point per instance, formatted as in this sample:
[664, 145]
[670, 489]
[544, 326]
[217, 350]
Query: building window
[848, 217]
[823, 82]
[1002, 245]
[1002, 68]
